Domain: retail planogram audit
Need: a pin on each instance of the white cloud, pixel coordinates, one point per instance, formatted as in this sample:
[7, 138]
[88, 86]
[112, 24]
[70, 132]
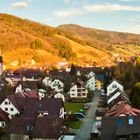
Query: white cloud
[111, 7]
[134, 29]
[128, 0]
[99, 8]
[19, 5]
[69, 12]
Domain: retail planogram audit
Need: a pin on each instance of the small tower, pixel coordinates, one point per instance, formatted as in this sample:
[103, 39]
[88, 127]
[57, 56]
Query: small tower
[1, 63]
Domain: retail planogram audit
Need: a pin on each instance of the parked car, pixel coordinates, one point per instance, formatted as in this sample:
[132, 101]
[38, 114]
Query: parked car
[79, 115]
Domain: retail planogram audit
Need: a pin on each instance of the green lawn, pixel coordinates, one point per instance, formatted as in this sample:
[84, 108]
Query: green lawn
[74, 107]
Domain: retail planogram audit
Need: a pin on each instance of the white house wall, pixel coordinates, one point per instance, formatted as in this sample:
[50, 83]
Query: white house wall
[113, 97]
[59, 95]
[91, 84]
[110, 88]
[73, 91]
[8, 107]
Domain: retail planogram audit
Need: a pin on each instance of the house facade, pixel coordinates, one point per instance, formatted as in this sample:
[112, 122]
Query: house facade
[91, 83]
[90, 74]
[78, 91]
[9, 107]
[60, 95]
[57, 85]
[113, 86]
[47, 81]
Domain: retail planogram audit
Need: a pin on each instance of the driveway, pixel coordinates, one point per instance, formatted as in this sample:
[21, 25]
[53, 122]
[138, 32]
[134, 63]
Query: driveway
[87, 125]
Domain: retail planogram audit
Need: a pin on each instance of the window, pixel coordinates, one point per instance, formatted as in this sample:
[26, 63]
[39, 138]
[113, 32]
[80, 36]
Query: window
[130, 121]
[73, 90]
[11, 109]
[6, 103]
[114, 86]
[6, 109]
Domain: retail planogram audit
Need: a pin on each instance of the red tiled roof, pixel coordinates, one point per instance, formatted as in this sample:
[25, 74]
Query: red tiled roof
[122, 108]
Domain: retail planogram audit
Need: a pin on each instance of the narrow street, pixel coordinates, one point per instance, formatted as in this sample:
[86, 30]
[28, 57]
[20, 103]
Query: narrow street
[87, 125]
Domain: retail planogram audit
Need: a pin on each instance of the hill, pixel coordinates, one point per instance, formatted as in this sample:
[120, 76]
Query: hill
[25, 43]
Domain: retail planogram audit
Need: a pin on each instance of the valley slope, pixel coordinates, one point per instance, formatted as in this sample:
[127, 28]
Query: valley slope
[25, 43]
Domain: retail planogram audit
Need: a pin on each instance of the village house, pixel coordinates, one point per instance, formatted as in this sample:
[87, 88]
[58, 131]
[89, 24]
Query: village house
[113, 86]
[12, 105]
[41, 93]
[115, 95]
[44, 106]
[78, 90]
[122, 109]
[47, 81]
[40, 128]
[90, 84]
[60, 95]
[57, 85]
[26, 86]
[90, 74]
[120, 128]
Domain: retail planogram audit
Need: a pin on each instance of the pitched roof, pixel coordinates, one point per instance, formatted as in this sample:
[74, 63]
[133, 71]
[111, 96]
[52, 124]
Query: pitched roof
[34, 106]
[21, 126]
[3, 115]
[113, 93]
[120, 98]
[31, 94]
[28, 84]
[47, 127]
[119, 126]
[17, 101]
[122, 108]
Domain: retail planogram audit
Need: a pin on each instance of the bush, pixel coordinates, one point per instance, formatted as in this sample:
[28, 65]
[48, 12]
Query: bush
[36, 44]
[64, 49]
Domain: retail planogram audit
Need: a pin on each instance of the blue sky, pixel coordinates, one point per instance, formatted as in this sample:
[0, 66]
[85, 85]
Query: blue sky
[115, 15]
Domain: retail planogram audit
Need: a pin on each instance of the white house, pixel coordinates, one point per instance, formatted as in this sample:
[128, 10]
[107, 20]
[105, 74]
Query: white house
[9, 107]
[41, 93]
[91, 74]
[91, 83]
[78, 91]
[57, 85]
[59, 95]
[113, 86]
[19, 89]
[114, 95]
[47, 81]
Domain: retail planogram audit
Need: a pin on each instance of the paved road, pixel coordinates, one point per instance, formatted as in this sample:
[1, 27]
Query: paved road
[87, 125]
